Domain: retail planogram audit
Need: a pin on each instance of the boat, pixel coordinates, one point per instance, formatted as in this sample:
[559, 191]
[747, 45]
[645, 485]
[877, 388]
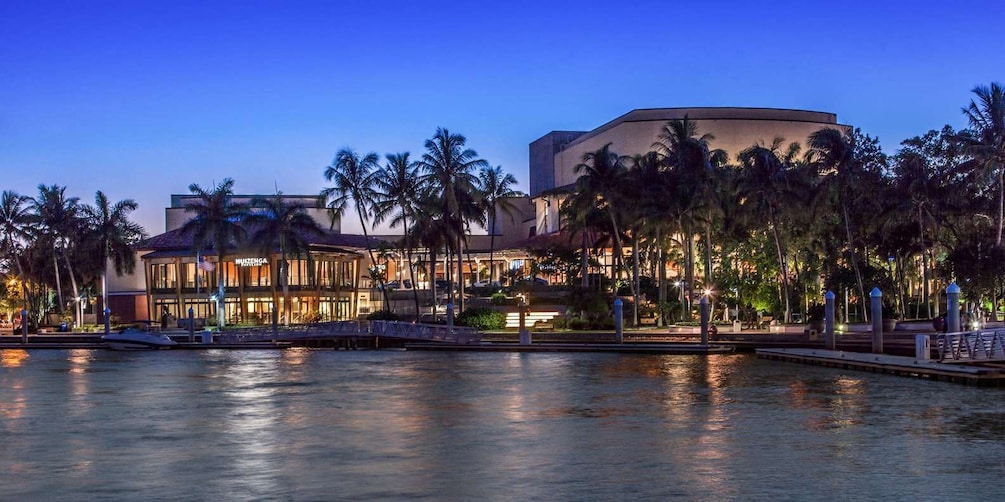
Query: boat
[134, 339]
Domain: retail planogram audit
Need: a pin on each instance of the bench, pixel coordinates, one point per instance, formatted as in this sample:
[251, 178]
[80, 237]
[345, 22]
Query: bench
[647, 321]
[544, 326]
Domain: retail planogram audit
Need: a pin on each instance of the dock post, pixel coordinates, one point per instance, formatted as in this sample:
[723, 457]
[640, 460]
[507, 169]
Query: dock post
[108, 321]
[191, 325]
[524, 332]
[275, 323]
[877, 320]
[619, 321]
[24, 326]
[829, 342]
[703, 303]
[953, 308]
[450, 314]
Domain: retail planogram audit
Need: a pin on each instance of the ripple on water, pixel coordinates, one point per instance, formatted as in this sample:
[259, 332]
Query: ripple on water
[322, 425]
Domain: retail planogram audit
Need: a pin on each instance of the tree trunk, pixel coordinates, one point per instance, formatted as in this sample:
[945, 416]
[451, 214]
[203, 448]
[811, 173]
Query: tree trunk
[782, 265]
[635, 281]
[854, 264]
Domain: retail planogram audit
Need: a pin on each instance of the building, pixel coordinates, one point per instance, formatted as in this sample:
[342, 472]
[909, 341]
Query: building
[172, 278]
[553, 157]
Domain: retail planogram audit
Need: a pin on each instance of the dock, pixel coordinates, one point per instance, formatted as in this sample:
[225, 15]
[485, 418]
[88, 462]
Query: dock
[989, 375]
[637, 348]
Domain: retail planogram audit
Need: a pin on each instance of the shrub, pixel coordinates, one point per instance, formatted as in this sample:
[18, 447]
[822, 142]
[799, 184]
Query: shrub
[482, 318]
[383, 315]
[498, 298]
[578, 323]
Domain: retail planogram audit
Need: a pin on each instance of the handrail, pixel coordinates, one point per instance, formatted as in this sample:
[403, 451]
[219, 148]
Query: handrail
[982, 345]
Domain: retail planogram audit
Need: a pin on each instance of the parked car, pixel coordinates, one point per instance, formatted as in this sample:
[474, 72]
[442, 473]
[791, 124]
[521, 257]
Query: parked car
[405, 284]
[442, 285]
[486, 284]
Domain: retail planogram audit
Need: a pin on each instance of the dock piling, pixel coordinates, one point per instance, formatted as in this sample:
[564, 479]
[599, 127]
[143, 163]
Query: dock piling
[877, 320]
[829, 341]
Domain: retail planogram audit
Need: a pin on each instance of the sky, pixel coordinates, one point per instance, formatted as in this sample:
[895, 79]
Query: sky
[140, 99]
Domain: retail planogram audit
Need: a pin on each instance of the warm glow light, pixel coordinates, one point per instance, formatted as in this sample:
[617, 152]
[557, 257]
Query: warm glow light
[12, 358]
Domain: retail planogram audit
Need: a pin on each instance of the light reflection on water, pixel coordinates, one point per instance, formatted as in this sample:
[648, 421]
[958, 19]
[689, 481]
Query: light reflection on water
[331, 425]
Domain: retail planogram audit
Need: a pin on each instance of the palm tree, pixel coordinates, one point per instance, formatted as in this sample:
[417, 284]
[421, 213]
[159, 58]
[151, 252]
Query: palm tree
[113, 233]
[848, 162]
[15, 227]
[495, 188]
[764, 186]
[985, 140]
[449, 166]
[217, 224]
[58, 217]
[601, 176]
[398, 189]
[690, 161]
[353, 178]
[287, 226]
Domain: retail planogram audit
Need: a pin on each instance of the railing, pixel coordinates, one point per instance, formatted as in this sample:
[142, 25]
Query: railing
[391, 329]
[428, 332]
[295, 332]
[985, 345]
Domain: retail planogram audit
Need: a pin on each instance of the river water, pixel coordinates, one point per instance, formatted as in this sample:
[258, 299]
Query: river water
[392, 425]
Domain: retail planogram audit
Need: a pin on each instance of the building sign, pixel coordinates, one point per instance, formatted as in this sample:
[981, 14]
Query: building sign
[251, 262]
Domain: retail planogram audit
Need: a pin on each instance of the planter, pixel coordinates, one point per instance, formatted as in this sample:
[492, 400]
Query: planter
[889, 325]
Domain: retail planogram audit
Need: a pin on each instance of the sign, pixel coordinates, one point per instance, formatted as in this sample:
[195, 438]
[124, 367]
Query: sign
[251, 262]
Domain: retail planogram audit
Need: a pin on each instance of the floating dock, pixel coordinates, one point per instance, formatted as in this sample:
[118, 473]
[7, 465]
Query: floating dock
[969, 374]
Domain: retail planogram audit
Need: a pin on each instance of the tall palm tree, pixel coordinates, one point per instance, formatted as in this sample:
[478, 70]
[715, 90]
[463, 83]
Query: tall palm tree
[848, 161]
[398, 189]
[59, 219]
[601, 176]
[353, 178]
[285, 225]
[15, 228]
[985, 140]
[113, 234]
[691, 163]
[764, 186]
[496, 190]
[216, 224]
[449, 168]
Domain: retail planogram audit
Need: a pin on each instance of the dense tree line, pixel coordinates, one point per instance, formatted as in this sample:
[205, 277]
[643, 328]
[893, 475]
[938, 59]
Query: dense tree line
[775, 226]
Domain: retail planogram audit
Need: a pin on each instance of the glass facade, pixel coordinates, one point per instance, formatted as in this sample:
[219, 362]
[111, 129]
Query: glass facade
[321, 289]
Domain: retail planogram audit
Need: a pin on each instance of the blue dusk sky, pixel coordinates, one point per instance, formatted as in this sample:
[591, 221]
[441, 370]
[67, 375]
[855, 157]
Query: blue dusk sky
[142, 98]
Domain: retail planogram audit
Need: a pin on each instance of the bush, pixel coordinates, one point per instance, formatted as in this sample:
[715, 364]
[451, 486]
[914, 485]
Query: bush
[499, 298]
[482, 318]
[578, 323]
[383, 315]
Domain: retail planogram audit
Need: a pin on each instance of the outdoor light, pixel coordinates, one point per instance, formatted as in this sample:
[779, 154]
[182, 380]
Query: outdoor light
[708, 292]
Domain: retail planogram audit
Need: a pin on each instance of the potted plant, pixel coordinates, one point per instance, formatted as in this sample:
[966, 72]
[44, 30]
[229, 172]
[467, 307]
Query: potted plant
[815, 317]
[889, 316]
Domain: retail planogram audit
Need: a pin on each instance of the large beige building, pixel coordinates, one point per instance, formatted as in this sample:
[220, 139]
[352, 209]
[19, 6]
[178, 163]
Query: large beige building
[553, 157]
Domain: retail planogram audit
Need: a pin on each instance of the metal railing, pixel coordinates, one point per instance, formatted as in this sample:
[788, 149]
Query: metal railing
[984, 345]
[427, 332]
[295, 332]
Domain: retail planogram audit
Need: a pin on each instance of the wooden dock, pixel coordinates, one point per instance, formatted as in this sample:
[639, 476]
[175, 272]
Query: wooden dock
[969, 374]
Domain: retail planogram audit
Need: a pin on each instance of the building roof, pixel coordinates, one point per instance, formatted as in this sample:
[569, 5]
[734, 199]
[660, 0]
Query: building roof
[176, 240]
[712, 113]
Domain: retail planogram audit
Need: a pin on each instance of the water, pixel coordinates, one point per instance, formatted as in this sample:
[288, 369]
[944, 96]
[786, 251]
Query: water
[393, 425]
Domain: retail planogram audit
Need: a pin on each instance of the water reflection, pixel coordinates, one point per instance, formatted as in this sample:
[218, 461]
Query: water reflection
[359, 425]
[12, 358]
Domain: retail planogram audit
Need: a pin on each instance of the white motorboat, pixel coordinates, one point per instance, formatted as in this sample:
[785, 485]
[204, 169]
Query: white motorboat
[134, 339]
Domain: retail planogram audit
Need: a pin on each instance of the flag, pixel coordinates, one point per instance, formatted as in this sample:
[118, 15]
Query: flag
[205, 265]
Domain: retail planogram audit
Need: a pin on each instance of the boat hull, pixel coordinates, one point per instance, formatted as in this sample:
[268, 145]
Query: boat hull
[138, 341]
